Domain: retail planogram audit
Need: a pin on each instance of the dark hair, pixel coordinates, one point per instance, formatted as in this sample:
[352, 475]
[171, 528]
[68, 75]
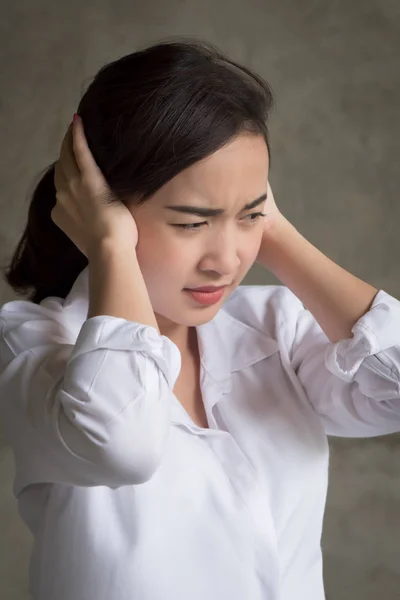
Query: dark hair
[147, 116]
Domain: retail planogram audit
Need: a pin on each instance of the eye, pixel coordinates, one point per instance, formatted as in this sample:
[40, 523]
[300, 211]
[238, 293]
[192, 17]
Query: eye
[257, 215]
[193, 226]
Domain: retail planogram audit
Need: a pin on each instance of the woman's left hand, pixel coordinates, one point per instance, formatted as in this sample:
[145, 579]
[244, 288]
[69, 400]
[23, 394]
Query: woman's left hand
[273, 213]
[275, 226]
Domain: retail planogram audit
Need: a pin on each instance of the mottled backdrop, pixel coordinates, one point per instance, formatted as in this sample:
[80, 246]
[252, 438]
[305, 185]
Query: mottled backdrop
[334, 67]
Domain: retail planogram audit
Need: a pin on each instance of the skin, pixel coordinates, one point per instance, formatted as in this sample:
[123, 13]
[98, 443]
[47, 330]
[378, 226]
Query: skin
[219, 252]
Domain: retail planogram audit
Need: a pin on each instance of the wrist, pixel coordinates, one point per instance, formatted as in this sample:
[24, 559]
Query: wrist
[276, 235]
[110, 246]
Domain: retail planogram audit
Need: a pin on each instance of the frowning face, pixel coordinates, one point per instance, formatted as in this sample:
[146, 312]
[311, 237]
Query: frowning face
[178, 249]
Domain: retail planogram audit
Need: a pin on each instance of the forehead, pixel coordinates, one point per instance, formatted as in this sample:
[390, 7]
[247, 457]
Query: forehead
[237, 172]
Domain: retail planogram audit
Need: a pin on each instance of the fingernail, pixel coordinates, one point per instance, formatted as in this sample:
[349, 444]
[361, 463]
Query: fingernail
[76, 118]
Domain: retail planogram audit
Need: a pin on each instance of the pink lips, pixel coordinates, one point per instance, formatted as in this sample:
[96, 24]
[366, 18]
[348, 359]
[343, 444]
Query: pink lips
[208, 288]
[207, 298]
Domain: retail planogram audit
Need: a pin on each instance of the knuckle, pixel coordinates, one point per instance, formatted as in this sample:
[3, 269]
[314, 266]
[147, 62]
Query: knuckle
[54, 214]
[74, 186]
[60, 196]
[64, 202]
[86, 181]
[77, 145]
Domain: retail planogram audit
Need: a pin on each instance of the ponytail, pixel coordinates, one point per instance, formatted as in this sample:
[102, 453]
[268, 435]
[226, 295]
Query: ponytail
[45, 262]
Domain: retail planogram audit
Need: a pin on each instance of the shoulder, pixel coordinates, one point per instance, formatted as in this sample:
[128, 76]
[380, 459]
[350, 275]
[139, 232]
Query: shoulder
[24, 324]
[270, 309]
[256, 302]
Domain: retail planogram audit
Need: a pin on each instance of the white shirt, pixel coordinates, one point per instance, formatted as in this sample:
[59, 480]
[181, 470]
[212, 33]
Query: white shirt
[128, 499]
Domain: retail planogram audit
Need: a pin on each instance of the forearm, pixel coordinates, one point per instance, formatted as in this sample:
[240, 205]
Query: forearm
[116, 284]
[336, 298]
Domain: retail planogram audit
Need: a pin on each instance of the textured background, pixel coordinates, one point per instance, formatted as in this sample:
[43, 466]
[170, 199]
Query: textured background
[334, 67]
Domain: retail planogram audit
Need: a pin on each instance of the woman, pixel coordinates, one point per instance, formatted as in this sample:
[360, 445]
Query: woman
[171, 443]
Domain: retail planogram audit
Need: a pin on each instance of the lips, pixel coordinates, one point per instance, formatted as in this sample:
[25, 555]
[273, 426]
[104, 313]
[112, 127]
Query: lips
[208, 288]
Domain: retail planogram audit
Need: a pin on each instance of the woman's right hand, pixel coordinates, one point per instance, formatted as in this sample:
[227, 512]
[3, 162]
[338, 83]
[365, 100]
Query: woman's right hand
[85, 209]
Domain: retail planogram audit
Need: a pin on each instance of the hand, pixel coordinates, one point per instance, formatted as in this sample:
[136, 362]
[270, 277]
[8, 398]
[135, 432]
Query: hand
[275, 226]
[86, 210]
[273, 213]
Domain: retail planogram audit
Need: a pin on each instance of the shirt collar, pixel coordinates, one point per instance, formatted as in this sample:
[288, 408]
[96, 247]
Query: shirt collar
[226, 344]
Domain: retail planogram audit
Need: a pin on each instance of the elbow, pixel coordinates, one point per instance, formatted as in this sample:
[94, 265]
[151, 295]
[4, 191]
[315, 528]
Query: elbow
[130, 469]
[133, 461]
[124, 450]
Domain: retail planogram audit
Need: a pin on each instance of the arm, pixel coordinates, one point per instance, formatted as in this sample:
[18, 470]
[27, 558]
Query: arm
[335, 297]
[116, 284]
[90, 411]
[346, 348]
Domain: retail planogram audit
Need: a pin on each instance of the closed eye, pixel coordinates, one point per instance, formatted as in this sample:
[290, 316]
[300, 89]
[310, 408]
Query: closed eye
[194, 226]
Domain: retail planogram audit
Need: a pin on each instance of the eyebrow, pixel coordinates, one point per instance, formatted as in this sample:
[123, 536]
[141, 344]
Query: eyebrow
[213, 212]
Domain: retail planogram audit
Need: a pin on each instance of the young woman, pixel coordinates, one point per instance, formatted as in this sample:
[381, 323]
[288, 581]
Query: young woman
[171, 442]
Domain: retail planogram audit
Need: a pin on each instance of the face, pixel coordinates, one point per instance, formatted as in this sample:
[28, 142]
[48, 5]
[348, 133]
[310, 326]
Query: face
[177, 250]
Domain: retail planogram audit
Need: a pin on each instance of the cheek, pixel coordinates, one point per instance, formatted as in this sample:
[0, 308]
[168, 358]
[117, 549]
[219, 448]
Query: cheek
[251, 249]
[159, 256]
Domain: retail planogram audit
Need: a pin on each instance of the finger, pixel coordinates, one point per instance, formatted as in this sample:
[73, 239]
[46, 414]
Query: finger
[83, 156]
[60, 181]
[63, 197]
[67, 158]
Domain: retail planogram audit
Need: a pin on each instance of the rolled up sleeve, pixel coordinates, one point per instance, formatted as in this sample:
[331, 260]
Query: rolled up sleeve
[95, 412]
[353, 384]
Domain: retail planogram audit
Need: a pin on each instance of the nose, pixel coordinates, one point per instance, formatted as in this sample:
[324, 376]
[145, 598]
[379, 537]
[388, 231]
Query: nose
[221, 253]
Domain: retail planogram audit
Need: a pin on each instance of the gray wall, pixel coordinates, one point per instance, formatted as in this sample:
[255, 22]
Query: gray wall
[334, 67]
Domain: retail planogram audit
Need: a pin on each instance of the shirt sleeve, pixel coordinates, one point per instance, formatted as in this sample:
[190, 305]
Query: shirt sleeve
[353, 384]
[90, 411]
